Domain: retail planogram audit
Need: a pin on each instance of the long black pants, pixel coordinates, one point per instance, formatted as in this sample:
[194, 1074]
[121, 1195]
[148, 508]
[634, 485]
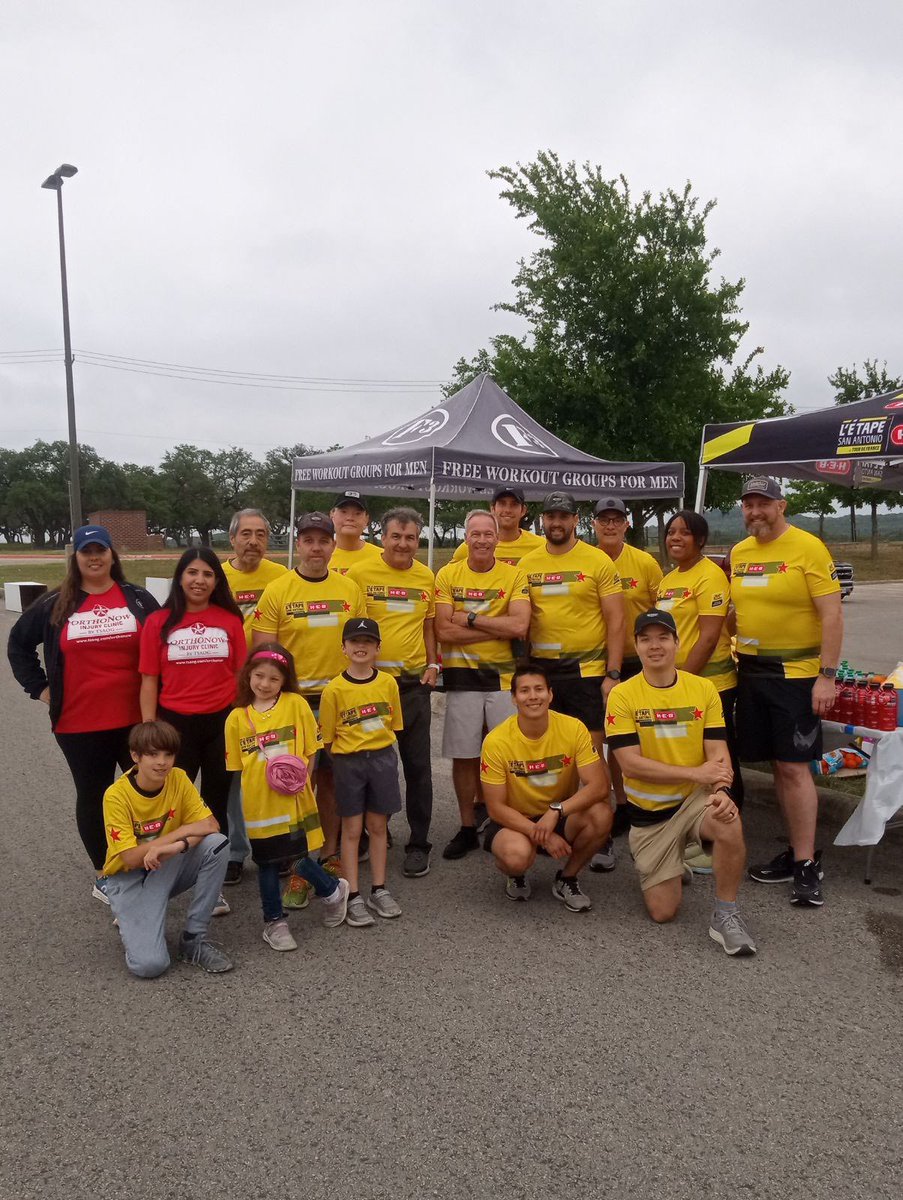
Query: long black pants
[93, 759]
[204, 749]
[729, 704]
[416, 762]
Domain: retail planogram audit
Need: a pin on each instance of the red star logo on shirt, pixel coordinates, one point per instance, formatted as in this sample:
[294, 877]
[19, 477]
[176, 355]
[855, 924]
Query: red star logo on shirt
[424, 596]
[580, 577]
[501, 593]
[171, 815]
[346, 607]
[114, 834]
[687, 593]
[697, 714]
[484, 767]
[611, 720]
[634, 583]
[566, 760]
[782, 569]
[257, 614]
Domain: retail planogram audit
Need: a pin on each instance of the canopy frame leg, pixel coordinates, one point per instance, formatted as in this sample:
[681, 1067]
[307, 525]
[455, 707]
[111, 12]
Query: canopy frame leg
[291, 530]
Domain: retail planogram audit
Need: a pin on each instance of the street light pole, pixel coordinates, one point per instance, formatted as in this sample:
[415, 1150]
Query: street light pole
[54, 182]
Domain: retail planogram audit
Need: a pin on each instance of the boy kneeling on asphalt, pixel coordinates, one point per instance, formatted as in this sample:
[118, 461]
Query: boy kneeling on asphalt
[162, 839]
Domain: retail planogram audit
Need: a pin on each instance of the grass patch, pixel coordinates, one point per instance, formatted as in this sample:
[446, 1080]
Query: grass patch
[850, 785]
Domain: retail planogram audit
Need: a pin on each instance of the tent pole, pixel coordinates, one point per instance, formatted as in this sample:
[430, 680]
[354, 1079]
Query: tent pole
[701, 488]
[291, 529]
[432, 517]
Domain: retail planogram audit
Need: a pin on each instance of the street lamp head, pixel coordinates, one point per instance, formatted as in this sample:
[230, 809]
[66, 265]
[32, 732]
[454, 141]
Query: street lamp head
[55, 181]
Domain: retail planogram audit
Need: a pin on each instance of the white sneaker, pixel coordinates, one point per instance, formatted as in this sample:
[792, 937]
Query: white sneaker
[221, 908]
[278, 935]
[336, 906]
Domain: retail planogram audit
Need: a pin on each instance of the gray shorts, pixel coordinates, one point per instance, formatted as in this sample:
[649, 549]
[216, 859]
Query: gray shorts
[468, 717]
[367, 781]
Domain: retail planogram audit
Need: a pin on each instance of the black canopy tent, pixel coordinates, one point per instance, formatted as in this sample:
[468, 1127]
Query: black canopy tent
[849, 445]
[468, 446]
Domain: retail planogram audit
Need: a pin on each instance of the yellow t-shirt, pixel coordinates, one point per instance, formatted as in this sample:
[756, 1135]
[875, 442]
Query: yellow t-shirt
[360, 714]
[772, 586]
[247, 587]
[399, 601]
[509, 552]
[702, 591]
[131, 819]
[669, 725]
[343, 560]
[640, 576]
[308, 617]
[537, 771]
[479, 666]
[566, 592]
[252, 737]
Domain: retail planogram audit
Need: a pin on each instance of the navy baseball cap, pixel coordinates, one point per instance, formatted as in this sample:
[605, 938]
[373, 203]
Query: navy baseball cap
[654, 616]
[514, 492]
[348, 498]
[361, 627]
[92, 535]
[315, 520]
[762, 485]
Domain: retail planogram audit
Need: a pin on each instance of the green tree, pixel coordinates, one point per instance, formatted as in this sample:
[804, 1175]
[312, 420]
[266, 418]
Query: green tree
[190, 496]
[850, 386]
[807, 496]
[632, 343]
[270, 490]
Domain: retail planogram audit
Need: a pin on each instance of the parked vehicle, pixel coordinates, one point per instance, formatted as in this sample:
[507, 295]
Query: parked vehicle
[844, 578]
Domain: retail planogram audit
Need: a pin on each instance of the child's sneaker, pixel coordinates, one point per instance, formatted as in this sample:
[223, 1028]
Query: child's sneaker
[296, 893]
[336, 906]
[99, 891]
[278, 935]
[383, 904]
[357, 914]
[332, 865]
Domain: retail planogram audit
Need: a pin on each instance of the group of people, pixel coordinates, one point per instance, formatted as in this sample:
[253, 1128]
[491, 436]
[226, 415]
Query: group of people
[307, 685]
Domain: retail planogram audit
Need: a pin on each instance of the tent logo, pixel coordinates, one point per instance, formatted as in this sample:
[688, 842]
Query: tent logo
[416, 431]
[515, 436]
[898, 403]
[896, 435]
[833, 466]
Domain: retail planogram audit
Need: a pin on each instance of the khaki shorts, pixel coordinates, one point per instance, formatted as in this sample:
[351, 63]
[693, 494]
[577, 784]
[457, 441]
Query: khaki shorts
[466, 715]
[658, 850]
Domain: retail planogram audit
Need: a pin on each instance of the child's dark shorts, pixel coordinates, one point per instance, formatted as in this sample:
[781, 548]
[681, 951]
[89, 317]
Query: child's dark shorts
[367, 781]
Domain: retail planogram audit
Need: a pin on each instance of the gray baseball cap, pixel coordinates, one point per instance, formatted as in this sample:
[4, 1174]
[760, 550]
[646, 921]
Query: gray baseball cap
[762, 485]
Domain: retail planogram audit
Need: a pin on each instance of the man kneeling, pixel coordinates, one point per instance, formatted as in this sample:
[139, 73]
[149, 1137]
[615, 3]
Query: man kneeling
[666, 729]
[546, 790]
[162, 839]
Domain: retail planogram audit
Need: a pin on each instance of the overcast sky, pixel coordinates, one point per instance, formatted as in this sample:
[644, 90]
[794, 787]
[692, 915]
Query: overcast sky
[300, 189]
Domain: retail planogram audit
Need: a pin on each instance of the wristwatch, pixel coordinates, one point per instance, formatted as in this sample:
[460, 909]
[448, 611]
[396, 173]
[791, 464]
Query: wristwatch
[828, 672]
[613, 675]
[471, 618]
[556, 806]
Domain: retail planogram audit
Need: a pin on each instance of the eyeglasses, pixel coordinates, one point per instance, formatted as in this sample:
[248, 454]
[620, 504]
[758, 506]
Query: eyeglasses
[612, 520]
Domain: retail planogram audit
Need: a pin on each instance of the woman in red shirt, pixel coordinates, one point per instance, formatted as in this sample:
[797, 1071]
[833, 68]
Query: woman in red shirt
[191, 653]
[90, 630]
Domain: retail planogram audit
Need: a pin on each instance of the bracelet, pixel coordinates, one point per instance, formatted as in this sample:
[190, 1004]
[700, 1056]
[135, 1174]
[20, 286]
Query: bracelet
[432, 666]
[727, 791]
[187, 845]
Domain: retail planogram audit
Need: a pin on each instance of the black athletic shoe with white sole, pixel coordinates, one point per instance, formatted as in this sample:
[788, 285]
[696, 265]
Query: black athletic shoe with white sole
[806, 890]
[780, 869]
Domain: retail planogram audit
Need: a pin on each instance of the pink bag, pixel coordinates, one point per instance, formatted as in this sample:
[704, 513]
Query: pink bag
[287, 773]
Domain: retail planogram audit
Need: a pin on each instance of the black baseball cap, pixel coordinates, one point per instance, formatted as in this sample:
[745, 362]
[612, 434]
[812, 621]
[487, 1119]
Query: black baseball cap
[361, 627]
[762, 485]
[92, 535]
[610, 504]
[347, 498]
[559, 502]
[315, 520]
[654, 616]
[514, 492]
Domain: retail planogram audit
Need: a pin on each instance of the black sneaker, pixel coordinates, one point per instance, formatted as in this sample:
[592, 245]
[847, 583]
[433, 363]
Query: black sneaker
[462, 843]
[481, 817]
[780, 869]
[234, 872]
[806, 888]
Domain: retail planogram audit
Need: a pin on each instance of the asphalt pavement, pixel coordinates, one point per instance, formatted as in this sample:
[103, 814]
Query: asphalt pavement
[473, 1048]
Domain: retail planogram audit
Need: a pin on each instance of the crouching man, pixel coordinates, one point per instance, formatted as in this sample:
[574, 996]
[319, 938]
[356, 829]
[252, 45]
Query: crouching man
[546, 790]
[162, 839]
[666, 729]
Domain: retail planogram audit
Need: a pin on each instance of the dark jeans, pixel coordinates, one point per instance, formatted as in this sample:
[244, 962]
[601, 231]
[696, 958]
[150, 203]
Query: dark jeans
[204, 749]
[416, 762]
[270, 884]
[729, 703]
[92, 759]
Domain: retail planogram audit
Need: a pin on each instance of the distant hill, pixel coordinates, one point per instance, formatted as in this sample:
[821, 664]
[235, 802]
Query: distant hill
[725, 528]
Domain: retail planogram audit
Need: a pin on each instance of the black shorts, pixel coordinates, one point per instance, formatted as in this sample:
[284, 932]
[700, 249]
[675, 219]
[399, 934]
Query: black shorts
[493, 827]
[367, 781]
[774, 719]
[578, 697]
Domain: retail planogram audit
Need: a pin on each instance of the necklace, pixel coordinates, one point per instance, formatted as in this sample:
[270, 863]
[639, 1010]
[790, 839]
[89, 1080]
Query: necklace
[263, 712]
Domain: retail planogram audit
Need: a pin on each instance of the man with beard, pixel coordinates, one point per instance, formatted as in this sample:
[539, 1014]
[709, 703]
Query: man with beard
[577, 616]
[248, 572]
[789, 633]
